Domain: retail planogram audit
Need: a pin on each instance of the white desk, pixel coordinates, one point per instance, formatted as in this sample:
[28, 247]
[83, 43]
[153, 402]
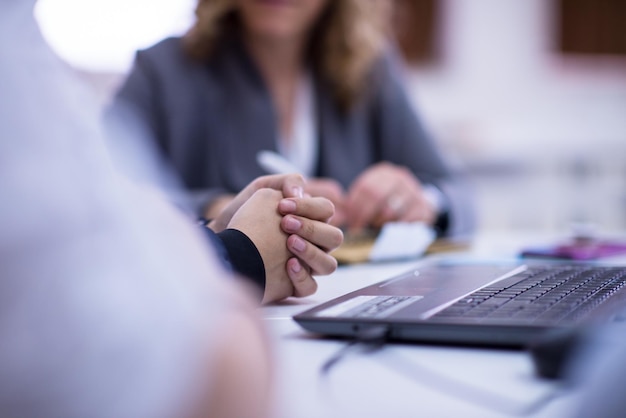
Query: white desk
[403, 380]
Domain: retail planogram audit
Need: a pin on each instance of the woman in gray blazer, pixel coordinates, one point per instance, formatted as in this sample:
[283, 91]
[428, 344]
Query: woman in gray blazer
[308, 79]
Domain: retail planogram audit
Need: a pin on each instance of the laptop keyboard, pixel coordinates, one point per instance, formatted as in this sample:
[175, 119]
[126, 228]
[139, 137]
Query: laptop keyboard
[550, 294]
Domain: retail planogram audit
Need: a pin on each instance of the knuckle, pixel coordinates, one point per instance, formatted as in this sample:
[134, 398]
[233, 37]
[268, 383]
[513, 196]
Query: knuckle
[309, 229]
[326, 264]
[301, 277]
[313, 288]
[261, 192]
[297, 177]
[309, 289]
[258, 182]
[328, 208]
[337, 238]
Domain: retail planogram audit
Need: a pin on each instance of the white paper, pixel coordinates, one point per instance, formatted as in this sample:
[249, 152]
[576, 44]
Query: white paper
[402, 240]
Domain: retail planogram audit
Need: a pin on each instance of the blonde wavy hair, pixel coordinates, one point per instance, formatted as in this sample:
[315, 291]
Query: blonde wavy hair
[346, 41]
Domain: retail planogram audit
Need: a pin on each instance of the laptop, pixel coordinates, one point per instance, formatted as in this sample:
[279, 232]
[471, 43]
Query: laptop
[508, 304]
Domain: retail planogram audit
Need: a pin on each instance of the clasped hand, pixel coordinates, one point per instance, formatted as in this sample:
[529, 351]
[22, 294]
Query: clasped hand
[290, 231]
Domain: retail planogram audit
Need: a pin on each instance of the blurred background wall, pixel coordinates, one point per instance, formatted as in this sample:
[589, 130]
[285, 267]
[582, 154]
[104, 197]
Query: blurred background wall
[529, 97]
[526, 97]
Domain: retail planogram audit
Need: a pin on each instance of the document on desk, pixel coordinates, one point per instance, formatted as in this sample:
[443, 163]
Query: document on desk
[395, 241]
[398, 240]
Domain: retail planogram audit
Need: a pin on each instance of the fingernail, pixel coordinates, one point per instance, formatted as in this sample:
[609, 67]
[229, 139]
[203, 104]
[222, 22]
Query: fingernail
[296, 267]
[297, 191]
[287, 206]
[292, 224]
[298, 244]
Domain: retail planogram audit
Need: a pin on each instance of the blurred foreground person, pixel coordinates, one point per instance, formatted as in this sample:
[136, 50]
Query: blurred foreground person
[113, 305]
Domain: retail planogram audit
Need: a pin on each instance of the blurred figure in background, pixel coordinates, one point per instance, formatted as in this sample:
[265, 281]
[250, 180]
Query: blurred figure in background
[309, 79]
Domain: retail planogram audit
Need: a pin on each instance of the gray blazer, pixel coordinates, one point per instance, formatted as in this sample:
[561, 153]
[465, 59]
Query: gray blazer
[211, 118]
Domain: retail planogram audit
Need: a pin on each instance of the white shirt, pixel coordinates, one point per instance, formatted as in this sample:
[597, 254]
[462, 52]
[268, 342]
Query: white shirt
[301, 149]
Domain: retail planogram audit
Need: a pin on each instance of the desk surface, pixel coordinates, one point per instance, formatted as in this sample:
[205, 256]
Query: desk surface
[403, 380]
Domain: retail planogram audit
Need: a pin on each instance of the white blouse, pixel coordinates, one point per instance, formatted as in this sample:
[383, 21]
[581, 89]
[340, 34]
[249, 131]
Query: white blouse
[301, 148]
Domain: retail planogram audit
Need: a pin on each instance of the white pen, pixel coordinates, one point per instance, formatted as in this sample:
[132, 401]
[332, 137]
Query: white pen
[275, 163]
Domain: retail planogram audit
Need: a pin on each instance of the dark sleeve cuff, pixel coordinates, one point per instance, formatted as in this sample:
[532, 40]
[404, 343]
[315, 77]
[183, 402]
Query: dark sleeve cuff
[218, 245]
[243, 256]
[442, 224]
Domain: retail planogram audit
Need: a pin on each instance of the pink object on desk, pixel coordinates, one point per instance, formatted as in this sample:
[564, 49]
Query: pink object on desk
[578, 249]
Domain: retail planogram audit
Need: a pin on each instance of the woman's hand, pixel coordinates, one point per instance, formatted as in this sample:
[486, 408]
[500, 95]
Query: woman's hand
[384, 193]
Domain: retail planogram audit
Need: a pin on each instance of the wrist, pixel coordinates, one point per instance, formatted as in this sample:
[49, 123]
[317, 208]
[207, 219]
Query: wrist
[216, 206]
